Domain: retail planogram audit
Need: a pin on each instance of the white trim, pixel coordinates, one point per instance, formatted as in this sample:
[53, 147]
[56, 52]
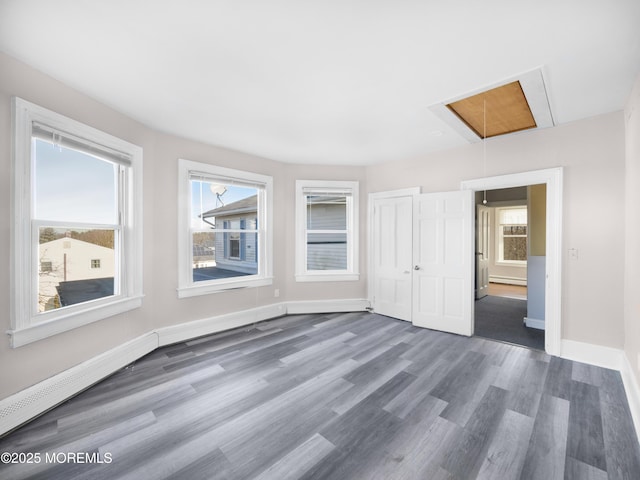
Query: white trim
[632, 388]
[534, 323]
[552, 177]
[353, 246]
[231, 283]
[404, 192]
[61, 324]
[219, 323]
[328, 306]
[598, 355]
[508, 280]
[37, 399]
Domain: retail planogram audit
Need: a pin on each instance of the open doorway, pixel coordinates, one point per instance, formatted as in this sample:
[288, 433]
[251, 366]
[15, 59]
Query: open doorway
[510, 248]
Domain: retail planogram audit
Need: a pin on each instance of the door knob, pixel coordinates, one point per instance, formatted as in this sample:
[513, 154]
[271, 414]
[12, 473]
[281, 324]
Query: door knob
[417, 267]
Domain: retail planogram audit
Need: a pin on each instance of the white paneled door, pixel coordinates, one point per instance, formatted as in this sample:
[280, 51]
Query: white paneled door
[443, 259]
[482, 251]
[392, 256]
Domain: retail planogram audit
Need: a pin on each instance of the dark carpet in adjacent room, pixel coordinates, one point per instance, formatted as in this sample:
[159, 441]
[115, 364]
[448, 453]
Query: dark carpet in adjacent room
[502, 318]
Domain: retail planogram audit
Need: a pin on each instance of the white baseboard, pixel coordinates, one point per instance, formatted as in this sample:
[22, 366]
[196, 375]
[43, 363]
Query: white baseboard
[207, 326]
[597, 355]
[508, 280]
[534, 323]
[632, 388]
[328, 306]
[41, 397]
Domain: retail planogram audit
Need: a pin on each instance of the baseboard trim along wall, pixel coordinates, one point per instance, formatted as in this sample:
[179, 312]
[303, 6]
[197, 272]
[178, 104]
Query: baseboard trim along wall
[41, 397]
[534, 323]
[597, 355]
[611, 358]
[508, 280]
[321, 306]
[31, 402]
[632, 388]
[207, 326]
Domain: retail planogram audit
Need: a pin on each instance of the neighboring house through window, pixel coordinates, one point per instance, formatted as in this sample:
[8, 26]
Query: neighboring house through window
[511, 235]
[77, 191]
[225, 228]
[327, 230]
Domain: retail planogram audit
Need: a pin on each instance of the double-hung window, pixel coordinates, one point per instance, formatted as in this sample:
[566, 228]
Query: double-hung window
[77, 249]
[512, 235]
[327, 230]
[225, 230]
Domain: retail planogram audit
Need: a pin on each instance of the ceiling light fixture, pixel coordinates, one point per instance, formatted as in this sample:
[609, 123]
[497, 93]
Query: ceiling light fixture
[484, 146]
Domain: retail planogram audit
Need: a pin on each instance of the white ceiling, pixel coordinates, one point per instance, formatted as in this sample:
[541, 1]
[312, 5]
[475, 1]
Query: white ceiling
[325, 81]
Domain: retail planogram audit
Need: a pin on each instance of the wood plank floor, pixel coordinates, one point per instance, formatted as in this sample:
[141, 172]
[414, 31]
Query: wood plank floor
[506, 290]
[340, 396]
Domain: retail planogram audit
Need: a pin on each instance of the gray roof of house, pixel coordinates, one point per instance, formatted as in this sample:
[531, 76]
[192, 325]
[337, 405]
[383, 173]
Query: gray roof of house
[246, 205]
[78, 291]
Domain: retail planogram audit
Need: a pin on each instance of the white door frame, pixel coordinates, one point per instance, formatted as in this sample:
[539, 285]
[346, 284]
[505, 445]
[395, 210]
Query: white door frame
[552, 177]
[405, 192]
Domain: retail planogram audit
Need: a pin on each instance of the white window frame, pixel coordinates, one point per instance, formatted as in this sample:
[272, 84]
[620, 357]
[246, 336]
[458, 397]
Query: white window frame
[500, 237]
[351, 273]
[27, 325]
[186, 286]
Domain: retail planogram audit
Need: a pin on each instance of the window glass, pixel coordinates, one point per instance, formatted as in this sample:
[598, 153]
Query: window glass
[326, 241]
[72, 186]
[326, 251]
[326, 212]
[74, 272]
[224, 229]
[512, 234]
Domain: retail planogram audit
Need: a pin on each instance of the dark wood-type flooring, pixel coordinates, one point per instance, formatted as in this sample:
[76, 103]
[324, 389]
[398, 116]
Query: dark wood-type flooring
[340, 396]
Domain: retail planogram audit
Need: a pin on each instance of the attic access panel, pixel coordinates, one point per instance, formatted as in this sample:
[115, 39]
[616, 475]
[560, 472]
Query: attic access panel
[504, 109]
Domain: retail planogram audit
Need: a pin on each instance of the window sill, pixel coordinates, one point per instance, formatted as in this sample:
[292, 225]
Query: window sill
[196, 290]
[71, 320]
[328, 277]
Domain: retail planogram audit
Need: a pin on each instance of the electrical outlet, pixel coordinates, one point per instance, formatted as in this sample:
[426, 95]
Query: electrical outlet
[276, 293]
[639, 362]
[573, 253]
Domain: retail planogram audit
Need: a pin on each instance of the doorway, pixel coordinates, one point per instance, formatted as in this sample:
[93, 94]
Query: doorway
[552, 261]
[507, 220]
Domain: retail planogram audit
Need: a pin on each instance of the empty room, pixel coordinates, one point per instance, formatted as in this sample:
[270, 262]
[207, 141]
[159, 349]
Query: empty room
[275, 240]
